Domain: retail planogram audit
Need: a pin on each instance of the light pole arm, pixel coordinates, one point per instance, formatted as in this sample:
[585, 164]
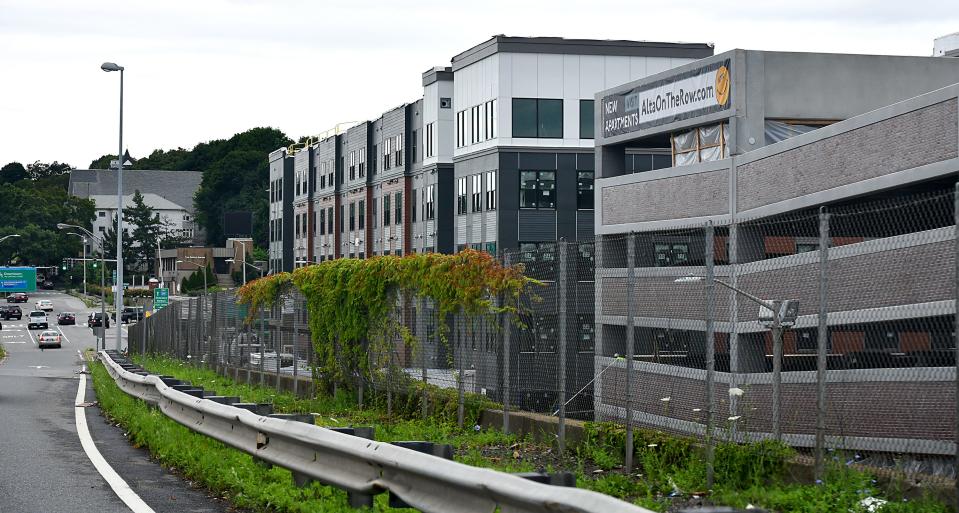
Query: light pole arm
[747, 295]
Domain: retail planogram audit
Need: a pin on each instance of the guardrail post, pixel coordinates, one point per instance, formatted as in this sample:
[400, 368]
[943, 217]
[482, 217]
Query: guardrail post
[562, 290]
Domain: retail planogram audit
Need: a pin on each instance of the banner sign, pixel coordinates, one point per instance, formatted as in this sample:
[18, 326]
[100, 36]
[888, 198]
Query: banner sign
[161, 297]
[690, 94]
[18, 279]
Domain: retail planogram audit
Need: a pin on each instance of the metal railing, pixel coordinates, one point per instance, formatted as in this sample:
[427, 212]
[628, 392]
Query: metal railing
[423, 481]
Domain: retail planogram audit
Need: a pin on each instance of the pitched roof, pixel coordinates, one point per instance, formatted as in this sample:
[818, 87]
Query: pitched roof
[175, 186]
[109, 202]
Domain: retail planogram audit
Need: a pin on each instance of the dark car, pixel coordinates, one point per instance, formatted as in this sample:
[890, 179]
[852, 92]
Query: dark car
[17, 297]
[66, 318]
[95, 320]
[8, 312]
[131, 314]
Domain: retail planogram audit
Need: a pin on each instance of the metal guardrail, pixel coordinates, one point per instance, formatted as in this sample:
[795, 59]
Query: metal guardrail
[423, 481]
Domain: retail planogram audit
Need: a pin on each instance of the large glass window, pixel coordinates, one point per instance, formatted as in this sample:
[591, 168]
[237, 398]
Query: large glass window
[429, 204]
[329, 220]
[413, 206]
[461, 195]
[361, 208]
[322, 222]
[352, 216]
[398, 205]
[491, 190]
[537, 189]
[584, 190]
[586, 113]
[537, 117]
[386, 210]
[477, 192]
[342, 215]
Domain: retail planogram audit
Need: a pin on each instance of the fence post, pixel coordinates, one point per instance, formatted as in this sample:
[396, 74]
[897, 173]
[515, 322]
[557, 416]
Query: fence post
[710, 354]
[460, 382]
[278, 343]
[214, 335]
[955, 328]
[822, 346]
[262, 344]
[561, 295]
[424, 320]
[506, 359]
[296, 336]
[630, 344]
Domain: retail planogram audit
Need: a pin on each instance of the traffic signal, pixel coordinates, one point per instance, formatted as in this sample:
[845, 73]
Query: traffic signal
[94, 265]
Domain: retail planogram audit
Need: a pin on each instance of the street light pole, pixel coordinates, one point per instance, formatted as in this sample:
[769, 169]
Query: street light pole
[109, 66]
[103, 271]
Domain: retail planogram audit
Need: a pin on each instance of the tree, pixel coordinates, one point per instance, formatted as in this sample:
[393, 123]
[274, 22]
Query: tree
[146, 229]
[110, 245]
[39, 170]
[12, 172]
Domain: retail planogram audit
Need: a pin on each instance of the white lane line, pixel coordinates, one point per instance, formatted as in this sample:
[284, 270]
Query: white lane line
[119, 486]
[31, 337]
[62, 334]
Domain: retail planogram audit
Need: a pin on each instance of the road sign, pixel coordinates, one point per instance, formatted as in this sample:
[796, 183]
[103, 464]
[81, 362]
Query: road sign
[114, 276]
[18, 279]
[161, 297]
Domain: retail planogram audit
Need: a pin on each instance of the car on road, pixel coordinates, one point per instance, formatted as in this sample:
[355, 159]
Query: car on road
[45, 304]
[17, 297]
[66, 318]
[95, 320]
[37, 320]
[8, 312]
[47, 284]
[131, 314]
[49, 338]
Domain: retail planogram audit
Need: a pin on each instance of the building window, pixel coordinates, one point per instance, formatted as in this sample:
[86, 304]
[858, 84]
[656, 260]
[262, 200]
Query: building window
[373, 217]
[413, 206]
[428, 140]
[584, 190]
[398, 149]
[461, 129]
[296, 232]
[475, 120]
[413, 156]
[491, 248]
[477, 192]
[352, 216]
[398, 197]
[352, 165]
[538, 117]
[362, 214]
[428, 204]
[386, 210]
[586, 122]
[102, 213]
[461, 195]
[342, 215]
[702, 144]
[361, 162]
[537, 189]
[490, 113]
[491, 190]
[387, 153]
[329, 220]
[322, 222]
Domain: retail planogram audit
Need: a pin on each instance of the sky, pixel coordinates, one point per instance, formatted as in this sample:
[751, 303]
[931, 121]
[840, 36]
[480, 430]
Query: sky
[200, 70]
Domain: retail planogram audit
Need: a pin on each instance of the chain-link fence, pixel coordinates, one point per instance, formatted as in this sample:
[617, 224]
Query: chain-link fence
[831, 329]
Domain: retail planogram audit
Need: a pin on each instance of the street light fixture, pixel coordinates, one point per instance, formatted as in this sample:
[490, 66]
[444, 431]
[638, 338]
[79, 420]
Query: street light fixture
[103, 267]
[118, 298]
[258, 270]
[5, 237]
[777, 316]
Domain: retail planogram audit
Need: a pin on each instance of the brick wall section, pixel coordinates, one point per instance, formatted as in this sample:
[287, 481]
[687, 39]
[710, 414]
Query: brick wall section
[902, 142]
[673, 197]
[912, 410]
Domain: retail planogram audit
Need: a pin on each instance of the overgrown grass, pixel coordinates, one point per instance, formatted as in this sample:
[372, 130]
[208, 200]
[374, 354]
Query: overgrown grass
[668, 468]
[3, 352]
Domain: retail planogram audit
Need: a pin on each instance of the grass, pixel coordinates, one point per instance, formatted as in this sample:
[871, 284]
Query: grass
[669, 470]
[3, 352]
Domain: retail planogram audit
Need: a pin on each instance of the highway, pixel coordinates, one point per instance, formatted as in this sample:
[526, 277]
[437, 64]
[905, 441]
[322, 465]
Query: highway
[44, 466]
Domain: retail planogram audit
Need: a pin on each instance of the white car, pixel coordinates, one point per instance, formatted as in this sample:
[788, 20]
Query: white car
[37, 320]
[45, 304]
[49, 338]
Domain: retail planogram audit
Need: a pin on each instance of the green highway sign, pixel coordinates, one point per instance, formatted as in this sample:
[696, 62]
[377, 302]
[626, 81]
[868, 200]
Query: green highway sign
[18, 279]
[161, 297]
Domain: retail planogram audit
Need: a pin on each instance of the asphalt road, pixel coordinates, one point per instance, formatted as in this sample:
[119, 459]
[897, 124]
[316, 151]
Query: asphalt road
[42, 464]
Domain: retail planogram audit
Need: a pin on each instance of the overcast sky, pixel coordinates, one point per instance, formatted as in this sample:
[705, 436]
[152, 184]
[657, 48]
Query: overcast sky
[205, 69]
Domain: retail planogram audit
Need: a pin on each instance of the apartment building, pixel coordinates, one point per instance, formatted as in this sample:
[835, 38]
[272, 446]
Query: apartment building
[326, 201]
[431, 212]
[523, 128]
[397, 143]
[281, 211]
[304, 222]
